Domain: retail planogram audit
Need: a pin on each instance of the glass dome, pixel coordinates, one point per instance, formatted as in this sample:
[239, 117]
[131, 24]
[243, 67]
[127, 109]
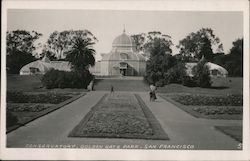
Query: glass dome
[123, 40]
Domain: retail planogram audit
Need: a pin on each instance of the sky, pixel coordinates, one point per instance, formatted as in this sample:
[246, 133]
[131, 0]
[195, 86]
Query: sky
[108, 24]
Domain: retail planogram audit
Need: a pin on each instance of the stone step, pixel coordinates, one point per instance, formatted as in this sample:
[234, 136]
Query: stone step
[121, 85]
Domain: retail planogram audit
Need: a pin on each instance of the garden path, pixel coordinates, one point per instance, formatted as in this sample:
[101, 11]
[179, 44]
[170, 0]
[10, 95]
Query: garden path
[182, 128]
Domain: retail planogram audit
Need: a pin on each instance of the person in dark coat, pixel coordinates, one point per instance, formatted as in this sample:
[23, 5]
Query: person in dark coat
[111, 90]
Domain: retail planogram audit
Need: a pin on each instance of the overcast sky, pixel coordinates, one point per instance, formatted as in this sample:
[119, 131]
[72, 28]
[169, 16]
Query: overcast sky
[107, 24]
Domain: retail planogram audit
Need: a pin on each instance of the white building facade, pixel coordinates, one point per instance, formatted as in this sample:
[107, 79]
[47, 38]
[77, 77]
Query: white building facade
[123, 59]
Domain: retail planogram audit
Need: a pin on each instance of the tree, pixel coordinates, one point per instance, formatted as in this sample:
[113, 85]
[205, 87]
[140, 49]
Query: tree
[48, 54]
[160, 59]
[139, 40]
[81, 55]
[17, 60]
[59, 43]
[21, 40]
[198, 44]
[20, 49]
[234, 60]
[202, 74]
[144, 40]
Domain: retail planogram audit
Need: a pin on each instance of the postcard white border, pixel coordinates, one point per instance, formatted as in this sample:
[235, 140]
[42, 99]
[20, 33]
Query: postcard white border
[93, 154]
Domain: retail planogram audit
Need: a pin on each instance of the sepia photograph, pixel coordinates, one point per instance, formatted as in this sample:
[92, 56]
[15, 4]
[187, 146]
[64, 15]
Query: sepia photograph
[116, 79]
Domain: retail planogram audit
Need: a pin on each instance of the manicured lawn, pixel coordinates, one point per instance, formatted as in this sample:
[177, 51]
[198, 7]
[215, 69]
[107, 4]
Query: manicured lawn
[220, 86]
[119, 116]
[32, 83]
[233, 131]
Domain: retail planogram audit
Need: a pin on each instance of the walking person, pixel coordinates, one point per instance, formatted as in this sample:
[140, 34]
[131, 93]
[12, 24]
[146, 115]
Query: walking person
[152, 92]
[112, 90]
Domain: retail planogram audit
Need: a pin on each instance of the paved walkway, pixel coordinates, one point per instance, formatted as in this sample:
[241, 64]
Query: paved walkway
[182, 128]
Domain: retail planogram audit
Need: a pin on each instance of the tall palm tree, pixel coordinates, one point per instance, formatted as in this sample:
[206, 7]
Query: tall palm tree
[81, 56]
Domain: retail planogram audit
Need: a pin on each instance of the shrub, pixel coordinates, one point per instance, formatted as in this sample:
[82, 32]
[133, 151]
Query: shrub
[11, 119]
[188, 81]
[175, 74]
[160, 83]
[63, 79]
[202, 75]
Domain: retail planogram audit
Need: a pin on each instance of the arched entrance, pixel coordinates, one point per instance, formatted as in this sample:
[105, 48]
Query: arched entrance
[126, 69]
[123, 68]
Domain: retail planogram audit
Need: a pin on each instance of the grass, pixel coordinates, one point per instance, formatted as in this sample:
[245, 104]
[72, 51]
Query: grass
[119, 116]
[32, 83]
[233, 131]
[220, 86]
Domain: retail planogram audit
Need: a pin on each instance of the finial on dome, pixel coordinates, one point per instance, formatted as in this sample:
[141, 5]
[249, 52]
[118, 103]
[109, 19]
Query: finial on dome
[124, 29]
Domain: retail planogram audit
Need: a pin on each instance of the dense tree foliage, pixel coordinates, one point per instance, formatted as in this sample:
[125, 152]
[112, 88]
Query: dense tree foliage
[233, 61]
[48, 54]
[160, 59]
[201, 74]
[198, 44]
[20, 49]
[64, 79]
[59, 43]
[144, 41]
[81, 55]
[21, 40]
[17, 60]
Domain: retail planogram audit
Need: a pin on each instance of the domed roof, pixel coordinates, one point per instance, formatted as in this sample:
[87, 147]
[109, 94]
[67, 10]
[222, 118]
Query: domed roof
[123, 40]
[117, 56]
[39, 64]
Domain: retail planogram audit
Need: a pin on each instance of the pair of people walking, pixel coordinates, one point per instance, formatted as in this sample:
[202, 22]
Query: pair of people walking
[152, 93]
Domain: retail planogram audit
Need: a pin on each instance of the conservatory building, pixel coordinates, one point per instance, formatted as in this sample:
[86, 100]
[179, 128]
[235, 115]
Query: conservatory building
[123, 59]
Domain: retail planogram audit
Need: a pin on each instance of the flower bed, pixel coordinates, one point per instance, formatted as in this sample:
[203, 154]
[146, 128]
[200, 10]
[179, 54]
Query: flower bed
[218, 110]
[27, 107]
[20, 97]
[199, 100]
[118, 122]
[119, 116]
[210, 107]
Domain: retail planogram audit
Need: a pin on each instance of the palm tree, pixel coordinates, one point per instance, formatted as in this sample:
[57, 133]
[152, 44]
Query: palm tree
[81, 56]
